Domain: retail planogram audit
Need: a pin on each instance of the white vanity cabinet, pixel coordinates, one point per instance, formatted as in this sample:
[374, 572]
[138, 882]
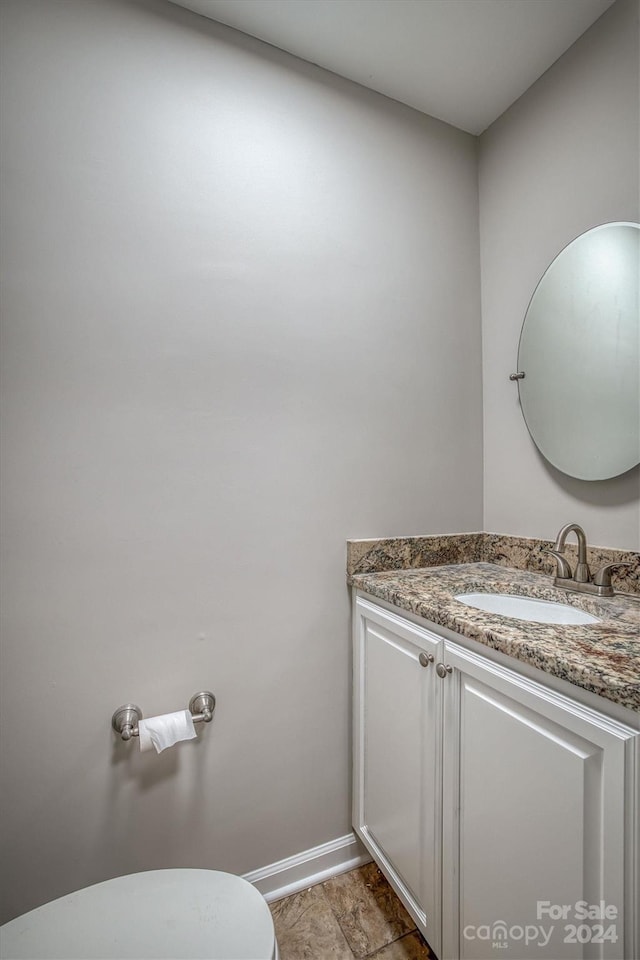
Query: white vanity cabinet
[503, 812]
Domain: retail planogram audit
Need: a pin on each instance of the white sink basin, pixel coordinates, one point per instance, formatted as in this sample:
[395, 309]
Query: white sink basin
[526, 608]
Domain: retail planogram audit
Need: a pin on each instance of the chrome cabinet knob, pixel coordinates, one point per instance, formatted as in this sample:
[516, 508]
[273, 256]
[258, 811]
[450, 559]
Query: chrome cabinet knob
[425, 659]
[443, 669]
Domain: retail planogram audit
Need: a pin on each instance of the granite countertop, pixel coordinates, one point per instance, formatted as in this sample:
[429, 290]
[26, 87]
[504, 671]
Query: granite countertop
[603, 658]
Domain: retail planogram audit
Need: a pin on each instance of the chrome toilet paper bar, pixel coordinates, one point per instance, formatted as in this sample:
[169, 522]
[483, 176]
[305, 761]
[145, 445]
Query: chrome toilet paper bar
[126, 718]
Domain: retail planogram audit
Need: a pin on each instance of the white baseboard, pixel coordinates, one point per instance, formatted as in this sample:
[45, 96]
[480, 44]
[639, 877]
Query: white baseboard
[309, 867]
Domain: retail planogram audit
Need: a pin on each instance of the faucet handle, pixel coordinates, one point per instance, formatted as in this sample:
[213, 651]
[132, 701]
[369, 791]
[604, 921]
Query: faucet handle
[563, 569]
[602, 577]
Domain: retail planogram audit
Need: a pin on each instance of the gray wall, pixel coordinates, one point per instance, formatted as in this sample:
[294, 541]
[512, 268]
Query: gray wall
[563, 159]
[241, 324]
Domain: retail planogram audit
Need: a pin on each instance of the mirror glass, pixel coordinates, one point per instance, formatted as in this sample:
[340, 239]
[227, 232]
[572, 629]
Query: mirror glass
[580, 354]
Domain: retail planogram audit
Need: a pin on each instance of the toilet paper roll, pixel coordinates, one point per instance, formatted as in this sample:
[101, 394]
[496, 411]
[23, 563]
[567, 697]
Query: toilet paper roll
[163, 731]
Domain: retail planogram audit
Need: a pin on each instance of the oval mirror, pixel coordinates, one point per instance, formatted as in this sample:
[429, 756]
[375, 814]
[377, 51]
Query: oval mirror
[580, 354]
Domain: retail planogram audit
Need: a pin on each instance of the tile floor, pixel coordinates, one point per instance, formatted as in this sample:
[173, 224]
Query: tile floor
[354, 915]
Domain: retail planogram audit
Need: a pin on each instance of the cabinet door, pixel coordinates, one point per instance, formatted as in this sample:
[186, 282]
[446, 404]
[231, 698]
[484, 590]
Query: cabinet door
[397, 762]
[534, 820]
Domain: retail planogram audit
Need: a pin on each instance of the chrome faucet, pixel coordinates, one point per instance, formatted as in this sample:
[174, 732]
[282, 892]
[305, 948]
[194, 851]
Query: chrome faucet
[581, 574]
[580, 580]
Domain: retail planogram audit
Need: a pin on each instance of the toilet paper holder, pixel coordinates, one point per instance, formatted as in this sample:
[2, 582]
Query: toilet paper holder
[126, 718]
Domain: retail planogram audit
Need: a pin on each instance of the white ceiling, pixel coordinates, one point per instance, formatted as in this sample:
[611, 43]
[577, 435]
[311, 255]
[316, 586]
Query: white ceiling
[463, 61]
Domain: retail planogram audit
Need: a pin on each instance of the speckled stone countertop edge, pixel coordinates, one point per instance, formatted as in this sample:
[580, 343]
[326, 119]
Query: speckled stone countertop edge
[603, 658]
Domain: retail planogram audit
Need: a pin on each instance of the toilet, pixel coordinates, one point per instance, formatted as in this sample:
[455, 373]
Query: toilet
[172, 914]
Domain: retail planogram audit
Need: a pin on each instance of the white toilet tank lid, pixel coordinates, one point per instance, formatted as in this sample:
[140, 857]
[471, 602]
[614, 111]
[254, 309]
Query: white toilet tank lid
[163, 914]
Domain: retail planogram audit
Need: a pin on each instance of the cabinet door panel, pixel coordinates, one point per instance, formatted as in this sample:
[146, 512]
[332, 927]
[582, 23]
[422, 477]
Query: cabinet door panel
[398, 782]
[528, 826]
[539, 789]
[392, 752]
